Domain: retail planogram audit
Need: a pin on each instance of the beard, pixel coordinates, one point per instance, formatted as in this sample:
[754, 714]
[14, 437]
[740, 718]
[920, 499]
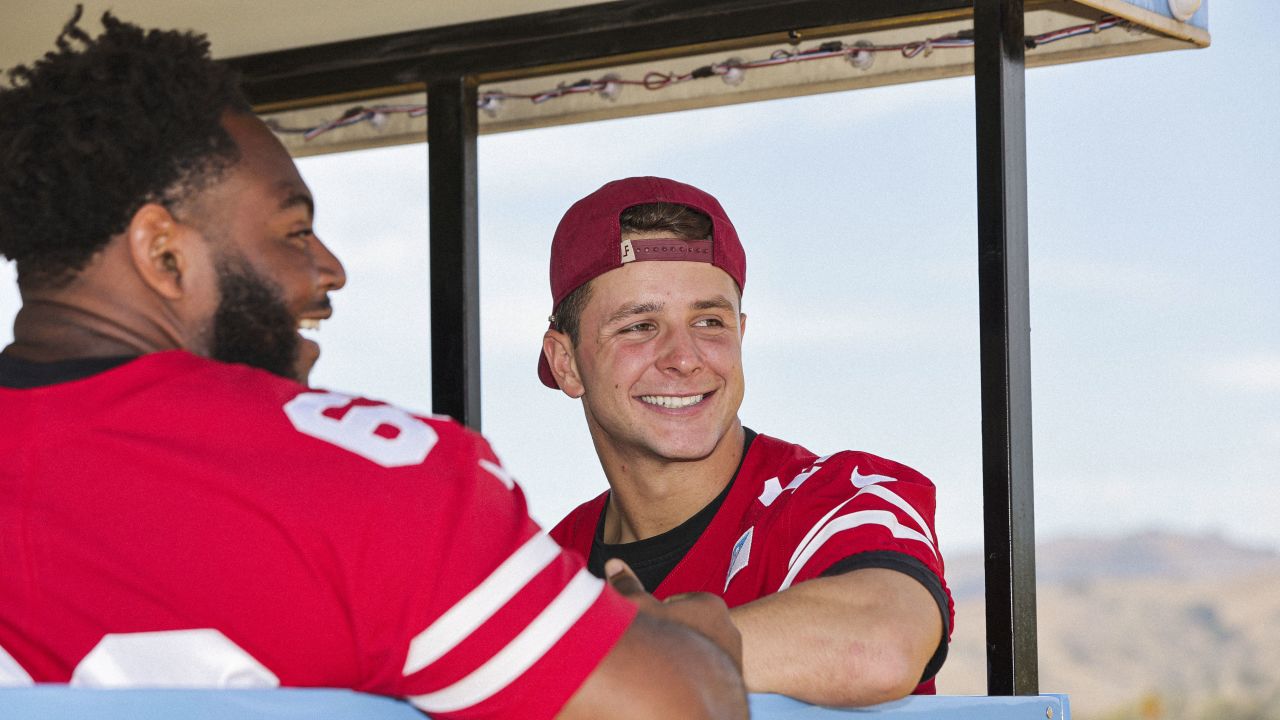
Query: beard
[252, 325]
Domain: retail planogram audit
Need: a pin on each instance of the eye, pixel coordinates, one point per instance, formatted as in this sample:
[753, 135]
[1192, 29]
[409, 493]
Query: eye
[709, 322]
[300, 238]
[645, 326]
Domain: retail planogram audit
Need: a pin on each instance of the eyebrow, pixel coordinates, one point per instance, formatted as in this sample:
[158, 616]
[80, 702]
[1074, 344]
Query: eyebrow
[633, 309]
[293, 197]
[719, 302]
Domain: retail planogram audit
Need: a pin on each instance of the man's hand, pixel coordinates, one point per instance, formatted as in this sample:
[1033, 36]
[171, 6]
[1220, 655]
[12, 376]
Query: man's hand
[679, 660]
[703, 612]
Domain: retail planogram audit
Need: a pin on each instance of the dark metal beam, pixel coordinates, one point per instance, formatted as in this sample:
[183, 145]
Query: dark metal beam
[1005, 327]
[547, 38]
[455, 257]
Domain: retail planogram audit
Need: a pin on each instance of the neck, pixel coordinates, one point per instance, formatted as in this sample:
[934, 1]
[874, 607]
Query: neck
[81, 321]
[649, 496]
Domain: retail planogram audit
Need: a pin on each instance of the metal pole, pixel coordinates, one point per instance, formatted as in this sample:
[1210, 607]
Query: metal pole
[455, 278]
[1005, 326]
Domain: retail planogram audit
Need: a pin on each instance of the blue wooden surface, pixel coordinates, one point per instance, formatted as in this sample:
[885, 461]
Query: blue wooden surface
[59, 702]
[919, 707]
[1200, 19]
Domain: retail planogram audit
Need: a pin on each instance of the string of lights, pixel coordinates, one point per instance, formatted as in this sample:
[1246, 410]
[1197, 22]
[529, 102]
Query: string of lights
[732, 71]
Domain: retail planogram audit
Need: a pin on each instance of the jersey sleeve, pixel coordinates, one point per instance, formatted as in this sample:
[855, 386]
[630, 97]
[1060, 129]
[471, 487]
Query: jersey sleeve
[851, 503]
[852, 510]
[855, 510]
[486, 617]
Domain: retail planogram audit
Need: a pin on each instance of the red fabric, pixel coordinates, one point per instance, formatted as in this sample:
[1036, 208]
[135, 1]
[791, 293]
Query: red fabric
[176, 493]
[669, 249]
[821, 519]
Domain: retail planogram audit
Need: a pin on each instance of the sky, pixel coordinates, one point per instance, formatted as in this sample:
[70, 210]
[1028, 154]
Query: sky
[1155, 310]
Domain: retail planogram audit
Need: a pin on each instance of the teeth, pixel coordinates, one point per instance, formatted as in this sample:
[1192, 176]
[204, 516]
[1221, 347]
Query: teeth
[308, 324]
[671, 401]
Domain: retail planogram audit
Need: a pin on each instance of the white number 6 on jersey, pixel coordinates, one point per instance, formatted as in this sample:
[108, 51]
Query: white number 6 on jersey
[357, 429]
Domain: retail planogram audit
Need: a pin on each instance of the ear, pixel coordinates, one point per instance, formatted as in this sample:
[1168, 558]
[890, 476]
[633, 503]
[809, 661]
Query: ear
[742, 325]
[159, 247]
[558, 349]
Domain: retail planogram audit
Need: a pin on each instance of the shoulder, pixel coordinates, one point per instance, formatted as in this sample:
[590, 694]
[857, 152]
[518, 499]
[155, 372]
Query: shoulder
[795, 488]
[348, 451]
[819, 511]
[771, 461]
[377, 431]
[861, 468]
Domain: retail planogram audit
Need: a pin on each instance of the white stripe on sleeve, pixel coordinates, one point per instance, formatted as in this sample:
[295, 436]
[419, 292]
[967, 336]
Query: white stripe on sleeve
[804, 542]
[499, 472]
[512, 661]
[879, 491]
[884, 518]
[895, 499]
[481, 603]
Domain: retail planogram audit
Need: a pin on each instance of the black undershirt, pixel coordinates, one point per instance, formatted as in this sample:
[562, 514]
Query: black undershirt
[24, 374]
[653, 559]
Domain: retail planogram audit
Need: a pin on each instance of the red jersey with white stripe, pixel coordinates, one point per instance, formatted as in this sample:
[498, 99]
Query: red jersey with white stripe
[176, 521]
[791, 516]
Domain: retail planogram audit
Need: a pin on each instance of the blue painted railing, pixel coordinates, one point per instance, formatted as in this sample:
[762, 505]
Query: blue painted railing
[59, 702]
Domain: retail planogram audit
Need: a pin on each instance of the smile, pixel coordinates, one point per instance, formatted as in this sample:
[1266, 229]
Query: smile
[672, 402]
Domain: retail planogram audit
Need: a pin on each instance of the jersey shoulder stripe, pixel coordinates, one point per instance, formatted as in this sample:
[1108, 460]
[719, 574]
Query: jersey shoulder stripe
[521, 653]
[481, 603]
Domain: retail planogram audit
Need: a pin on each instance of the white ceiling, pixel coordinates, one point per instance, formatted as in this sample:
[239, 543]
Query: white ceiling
[241, 27]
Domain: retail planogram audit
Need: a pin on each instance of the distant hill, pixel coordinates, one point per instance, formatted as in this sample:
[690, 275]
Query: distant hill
[1150, 626]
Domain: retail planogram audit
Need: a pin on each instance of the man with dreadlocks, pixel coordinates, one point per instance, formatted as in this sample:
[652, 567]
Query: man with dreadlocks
[178, 509]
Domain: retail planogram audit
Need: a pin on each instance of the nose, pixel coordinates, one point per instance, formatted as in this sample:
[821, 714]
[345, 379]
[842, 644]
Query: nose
[679, 352]
[332, 275]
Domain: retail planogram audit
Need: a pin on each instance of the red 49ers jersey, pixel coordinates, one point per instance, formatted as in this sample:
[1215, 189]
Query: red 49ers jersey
[790, 516]
[176, 521]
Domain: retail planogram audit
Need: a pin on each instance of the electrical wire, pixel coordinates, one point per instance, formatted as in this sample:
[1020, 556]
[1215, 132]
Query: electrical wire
[732, 71]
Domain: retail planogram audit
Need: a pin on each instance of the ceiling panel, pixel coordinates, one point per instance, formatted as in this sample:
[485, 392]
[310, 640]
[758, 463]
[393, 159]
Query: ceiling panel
[244, 27]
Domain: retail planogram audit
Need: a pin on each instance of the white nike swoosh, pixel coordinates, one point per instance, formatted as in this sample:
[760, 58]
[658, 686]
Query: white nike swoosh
[861, 481]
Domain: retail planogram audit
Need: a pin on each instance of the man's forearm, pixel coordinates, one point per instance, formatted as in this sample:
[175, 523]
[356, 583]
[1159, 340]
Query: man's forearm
[859, 638]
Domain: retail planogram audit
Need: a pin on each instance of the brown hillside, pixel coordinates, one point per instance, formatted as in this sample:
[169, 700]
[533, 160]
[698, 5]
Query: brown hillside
[1150, 626]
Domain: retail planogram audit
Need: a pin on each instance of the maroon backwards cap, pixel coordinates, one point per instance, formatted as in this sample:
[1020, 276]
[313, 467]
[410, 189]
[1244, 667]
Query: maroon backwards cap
[588, 242]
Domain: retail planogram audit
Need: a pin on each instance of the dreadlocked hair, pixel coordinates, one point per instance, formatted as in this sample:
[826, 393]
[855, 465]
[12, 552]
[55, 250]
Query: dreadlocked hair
[97, 128]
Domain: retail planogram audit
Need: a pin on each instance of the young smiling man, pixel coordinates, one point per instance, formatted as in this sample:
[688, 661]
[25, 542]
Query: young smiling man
[178, 509]
[830, 564]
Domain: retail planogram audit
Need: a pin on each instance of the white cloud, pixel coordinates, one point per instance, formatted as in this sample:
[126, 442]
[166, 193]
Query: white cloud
[1106, 278]
[1271, 435]
[855, 325]
[1257, 372]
